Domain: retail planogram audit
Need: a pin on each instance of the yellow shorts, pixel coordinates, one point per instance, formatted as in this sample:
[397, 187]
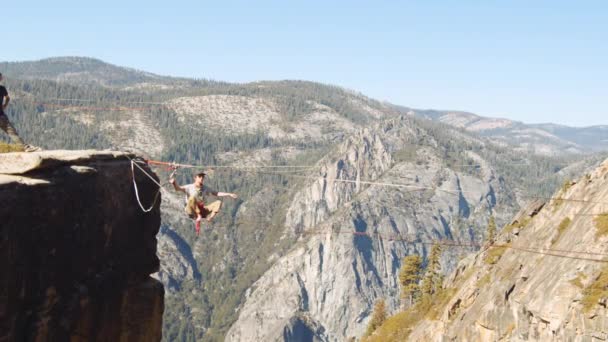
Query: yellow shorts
[193, 209]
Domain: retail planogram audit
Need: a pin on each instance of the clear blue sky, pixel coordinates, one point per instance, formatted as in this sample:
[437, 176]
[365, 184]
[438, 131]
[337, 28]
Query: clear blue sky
[534, 61]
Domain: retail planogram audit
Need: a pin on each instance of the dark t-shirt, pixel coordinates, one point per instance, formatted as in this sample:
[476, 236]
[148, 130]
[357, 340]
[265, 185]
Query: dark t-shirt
[3, 93]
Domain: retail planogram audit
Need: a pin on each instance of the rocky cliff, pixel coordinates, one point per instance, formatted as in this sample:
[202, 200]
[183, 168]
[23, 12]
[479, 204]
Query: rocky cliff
[76, 251]
[326, 286]
[547, 283]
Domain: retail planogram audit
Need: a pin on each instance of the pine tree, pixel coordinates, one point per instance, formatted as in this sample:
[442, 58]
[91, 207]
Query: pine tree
[432, 279]
[409, 277]
[491, 230]
[378, 317]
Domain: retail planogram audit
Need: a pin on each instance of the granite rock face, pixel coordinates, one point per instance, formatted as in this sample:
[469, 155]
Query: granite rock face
[76, 251]
[536, 289]
[357, 220]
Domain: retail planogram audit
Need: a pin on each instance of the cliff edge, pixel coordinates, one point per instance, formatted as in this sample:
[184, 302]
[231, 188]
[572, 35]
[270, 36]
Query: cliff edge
[76, 251]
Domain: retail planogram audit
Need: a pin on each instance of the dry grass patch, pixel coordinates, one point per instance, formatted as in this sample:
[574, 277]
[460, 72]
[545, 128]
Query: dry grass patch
[6, 148]
[495, 253]
[601, 224]
[395, 328]
[578, 281]
[561, 229]
[485, 280]
[596, 291]
[398, 327]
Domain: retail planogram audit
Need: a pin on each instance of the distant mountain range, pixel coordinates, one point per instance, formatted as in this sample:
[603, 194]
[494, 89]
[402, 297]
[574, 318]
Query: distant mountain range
[82, 70]
[546, 139]
[541, 138]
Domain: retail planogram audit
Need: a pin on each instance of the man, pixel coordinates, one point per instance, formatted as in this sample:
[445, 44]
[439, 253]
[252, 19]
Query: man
[6, 125]
[196, 194]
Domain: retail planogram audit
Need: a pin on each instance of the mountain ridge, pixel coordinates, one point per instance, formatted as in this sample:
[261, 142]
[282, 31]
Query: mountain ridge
[547, 139]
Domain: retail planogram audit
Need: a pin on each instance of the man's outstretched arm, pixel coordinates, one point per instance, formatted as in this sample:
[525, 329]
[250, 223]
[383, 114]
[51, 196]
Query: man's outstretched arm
[225, 194]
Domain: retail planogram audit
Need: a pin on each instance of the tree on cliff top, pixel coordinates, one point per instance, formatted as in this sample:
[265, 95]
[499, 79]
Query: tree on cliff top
[409, 277]
[378, 317]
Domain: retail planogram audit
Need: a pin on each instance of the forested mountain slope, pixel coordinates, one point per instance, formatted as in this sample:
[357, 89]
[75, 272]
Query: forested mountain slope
[449, 182]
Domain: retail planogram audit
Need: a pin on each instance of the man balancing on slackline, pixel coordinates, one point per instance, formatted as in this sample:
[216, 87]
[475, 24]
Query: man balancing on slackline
[196, 195]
